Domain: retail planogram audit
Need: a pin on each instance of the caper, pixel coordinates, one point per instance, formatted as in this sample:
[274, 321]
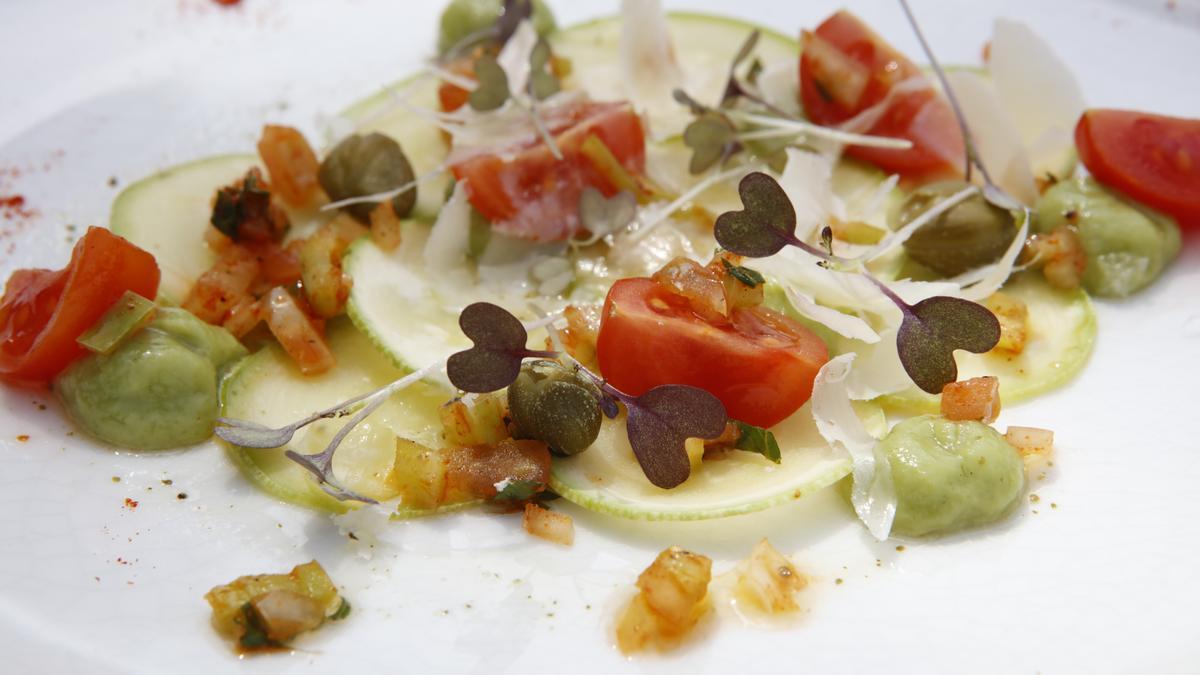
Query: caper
[556, 405]
[367, 165]
[463, 19]
[1127, 245]
[970, 234]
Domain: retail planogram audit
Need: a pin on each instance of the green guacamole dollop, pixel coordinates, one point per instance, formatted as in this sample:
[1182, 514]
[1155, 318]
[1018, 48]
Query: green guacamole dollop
[157, 389]
[950, 475]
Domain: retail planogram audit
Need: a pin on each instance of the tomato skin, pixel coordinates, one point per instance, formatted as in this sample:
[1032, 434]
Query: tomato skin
[761, 365]
[1155, 159]
[844, 50]
[43, 312]
[527, 193]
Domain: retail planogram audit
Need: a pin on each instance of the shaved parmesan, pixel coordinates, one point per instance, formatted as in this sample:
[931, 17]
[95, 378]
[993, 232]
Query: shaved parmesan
[513, 58]
[808, 182]
[450, 237]
[649, 67]
[873, 494]
[846, 325]
[1000, 147]
[1038, 92]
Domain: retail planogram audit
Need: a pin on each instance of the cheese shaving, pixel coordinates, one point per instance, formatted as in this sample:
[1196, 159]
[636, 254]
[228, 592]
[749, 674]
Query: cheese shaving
[450, 236]
[846, 325]
[873, 494]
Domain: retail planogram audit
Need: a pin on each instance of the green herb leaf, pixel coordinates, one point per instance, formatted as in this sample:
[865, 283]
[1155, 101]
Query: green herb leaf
[519, 491]
[342, 612]
[492, 90]
[935, 327]
[749, 277]
[712, 138]
[758, 440]
[766, 223]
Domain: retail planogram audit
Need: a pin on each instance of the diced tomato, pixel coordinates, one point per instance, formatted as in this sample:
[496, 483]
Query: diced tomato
[1154, 159]
[525, 192]
[291, 163]
[761, 364]
[450, 95]
[846, 68]
[43, 312]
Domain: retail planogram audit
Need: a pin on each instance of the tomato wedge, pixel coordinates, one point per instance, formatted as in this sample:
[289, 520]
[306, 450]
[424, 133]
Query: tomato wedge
[846, 69]
[1154, 159]
[526, 193]
[43, 312]
[761, 364]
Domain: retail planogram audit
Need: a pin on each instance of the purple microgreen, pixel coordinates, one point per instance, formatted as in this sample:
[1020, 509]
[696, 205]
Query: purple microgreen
[734, 89]
[712, 138]
[932, 329]
[759, 441]
[513, 13]
[683, 98]
[827, 239]
[748, 277]
[608, 406]
[601, 215]
[766, 223]
[492, 91]
[542, 83]
[991, 192]
[660, 422]
[495, 360]
[754, 71]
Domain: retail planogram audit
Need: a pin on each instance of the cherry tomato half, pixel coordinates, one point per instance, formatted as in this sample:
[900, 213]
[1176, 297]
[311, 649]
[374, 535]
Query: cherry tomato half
[1153, 158]
[43, 312]
[846, 68]
[761, 364]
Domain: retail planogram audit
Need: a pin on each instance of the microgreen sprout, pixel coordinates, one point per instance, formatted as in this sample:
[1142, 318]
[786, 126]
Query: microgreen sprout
[487, 325]
[492, 89]
[542, 82]
[930, 330]
[512, 14]
[602, 216]
[495, 360]
[660, 421]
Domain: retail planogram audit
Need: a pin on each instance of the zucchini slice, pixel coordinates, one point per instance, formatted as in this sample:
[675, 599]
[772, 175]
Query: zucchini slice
[168, 213]
[1061, 333]
[267, 388]
[607, 478]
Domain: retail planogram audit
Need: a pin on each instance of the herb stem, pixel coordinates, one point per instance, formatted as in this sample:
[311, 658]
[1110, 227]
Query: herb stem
[972, 155]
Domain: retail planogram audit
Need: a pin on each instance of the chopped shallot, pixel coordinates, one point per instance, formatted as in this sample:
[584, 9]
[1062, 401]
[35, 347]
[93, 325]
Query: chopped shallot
[975, 399]
[549, 525]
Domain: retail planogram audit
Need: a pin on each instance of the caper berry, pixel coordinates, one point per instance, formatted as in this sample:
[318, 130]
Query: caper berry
[556, 405]
[1127, 245]
[367, 165]
[970, 234]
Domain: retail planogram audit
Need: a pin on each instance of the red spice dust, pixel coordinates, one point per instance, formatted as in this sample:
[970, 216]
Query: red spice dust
[130, 503]
[13, 208]
[23, 438]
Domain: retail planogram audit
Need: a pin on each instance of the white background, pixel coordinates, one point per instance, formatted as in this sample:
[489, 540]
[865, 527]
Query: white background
[1104, 581]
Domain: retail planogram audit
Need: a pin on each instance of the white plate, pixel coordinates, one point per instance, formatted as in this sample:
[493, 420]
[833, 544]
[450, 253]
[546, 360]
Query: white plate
[1097, 576]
